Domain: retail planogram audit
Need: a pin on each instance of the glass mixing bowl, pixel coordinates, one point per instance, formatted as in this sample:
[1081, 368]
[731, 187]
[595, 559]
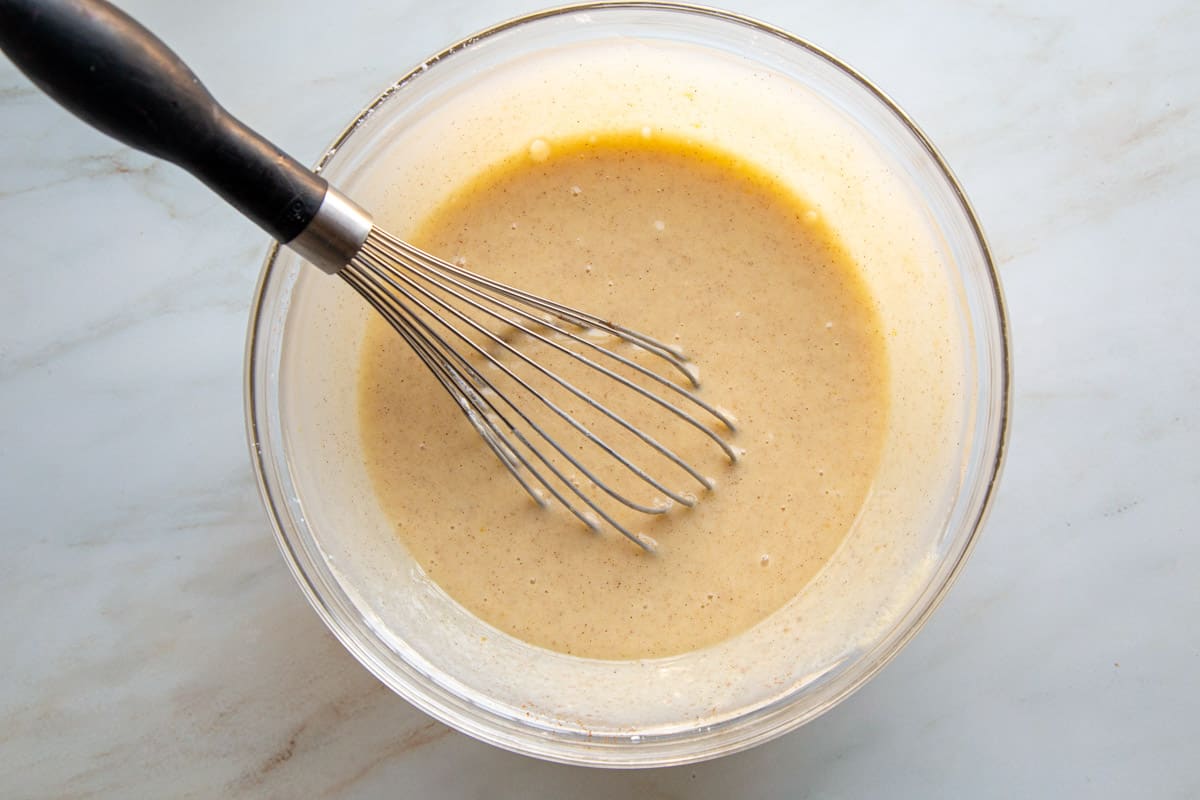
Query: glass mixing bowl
[815, 124]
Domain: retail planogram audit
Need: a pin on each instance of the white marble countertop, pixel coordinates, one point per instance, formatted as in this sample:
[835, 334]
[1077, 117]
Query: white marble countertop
[155, 645]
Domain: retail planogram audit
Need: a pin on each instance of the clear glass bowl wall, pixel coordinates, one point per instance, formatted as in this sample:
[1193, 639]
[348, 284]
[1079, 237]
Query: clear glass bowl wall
[792, 109]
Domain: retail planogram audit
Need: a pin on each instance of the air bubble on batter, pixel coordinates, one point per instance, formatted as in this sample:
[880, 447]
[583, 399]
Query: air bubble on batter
[539, 150]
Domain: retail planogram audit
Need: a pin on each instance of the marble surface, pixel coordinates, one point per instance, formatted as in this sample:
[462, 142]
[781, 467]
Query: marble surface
[155, 645]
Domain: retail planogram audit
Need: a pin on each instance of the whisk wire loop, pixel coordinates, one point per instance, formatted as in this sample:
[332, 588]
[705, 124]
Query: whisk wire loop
[430, 303]
[414, 292]
[444, 275]
[470, 389]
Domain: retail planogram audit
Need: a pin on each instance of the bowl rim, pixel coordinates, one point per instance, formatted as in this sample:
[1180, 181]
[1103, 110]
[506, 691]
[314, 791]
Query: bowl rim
[773, 721]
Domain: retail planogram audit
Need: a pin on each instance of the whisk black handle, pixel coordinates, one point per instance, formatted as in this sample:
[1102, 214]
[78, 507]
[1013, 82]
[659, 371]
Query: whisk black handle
[111, 72]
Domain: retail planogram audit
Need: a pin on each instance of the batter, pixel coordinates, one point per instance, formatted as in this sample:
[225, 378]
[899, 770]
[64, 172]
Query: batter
[701, 250]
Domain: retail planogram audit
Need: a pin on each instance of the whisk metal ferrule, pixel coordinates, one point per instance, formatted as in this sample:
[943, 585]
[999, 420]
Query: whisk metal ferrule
[335, 234]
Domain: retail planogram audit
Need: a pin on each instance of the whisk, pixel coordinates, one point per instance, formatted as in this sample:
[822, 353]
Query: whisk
[474, 334]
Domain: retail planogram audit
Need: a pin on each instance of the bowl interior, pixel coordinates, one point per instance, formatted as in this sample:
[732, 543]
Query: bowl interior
[793, 111]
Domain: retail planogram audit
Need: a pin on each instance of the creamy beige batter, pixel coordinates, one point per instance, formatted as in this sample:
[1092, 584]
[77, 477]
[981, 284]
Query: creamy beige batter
[703, 251]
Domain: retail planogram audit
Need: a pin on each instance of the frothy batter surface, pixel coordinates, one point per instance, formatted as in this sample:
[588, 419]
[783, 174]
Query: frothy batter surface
[700, 250]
